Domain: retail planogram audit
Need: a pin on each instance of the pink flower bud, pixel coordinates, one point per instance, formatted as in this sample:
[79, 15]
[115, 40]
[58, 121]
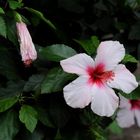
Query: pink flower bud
[27, 48]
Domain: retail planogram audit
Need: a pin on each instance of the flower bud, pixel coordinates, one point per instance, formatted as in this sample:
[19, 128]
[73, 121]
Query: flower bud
[27, 48]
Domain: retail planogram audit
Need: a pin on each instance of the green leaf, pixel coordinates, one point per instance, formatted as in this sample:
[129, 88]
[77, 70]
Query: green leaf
[55, 80]
[101, 6]
[2, 27]
[58, 111]
[28, 116]
[58, 136]
[97, 132]
[41, 16]
[33, 83]
[129, 58]
[1, 11]
[56, 52]
[14, 4]
[43, 116]
[7, 64]
[114, 128]
[95, 41]
[89, 45]
[11, 31]
[13, 89]
[87, 117]
[38, 134]
[7, 103]
[9, 125]
[132, 3]
[86, 45]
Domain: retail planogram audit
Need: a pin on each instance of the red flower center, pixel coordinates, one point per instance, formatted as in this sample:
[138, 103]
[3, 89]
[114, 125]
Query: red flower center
[98, 75]
[135, 104]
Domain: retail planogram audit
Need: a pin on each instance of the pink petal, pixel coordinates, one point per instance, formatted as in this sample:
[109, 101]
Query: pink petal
[104, 101]
[124, 103]
[137, 115]
[77, 64]
[110, 53]
[123, 79]
[125, 118]
[77, 94]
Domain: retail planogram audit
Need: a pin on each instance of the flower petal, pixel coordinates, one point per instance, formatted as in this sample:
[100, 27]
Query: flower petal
[77, 94]
[77, 64]
[125, 118]
[124, 102]
[123, 79]
[137, 115]
[104, 101]
[109, 53]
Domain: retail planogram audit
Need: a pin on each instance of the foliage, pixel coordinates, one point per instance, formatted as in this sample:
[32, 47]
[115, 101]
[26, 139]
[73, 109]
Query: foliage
[32, 106]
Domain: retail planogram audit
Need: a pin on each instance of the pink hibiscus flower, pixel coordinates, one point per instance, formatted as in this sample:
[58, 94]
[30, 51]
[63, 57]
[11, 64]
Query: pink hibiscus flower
[97, 78]
[128, 112]
[27, 48]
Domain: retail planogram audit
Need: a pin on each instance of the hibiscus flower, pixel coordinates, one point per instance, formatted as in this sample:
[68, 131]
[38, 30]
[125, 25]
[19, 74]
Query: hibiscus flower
[97, 78]
[27, 48]
[128, 112]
